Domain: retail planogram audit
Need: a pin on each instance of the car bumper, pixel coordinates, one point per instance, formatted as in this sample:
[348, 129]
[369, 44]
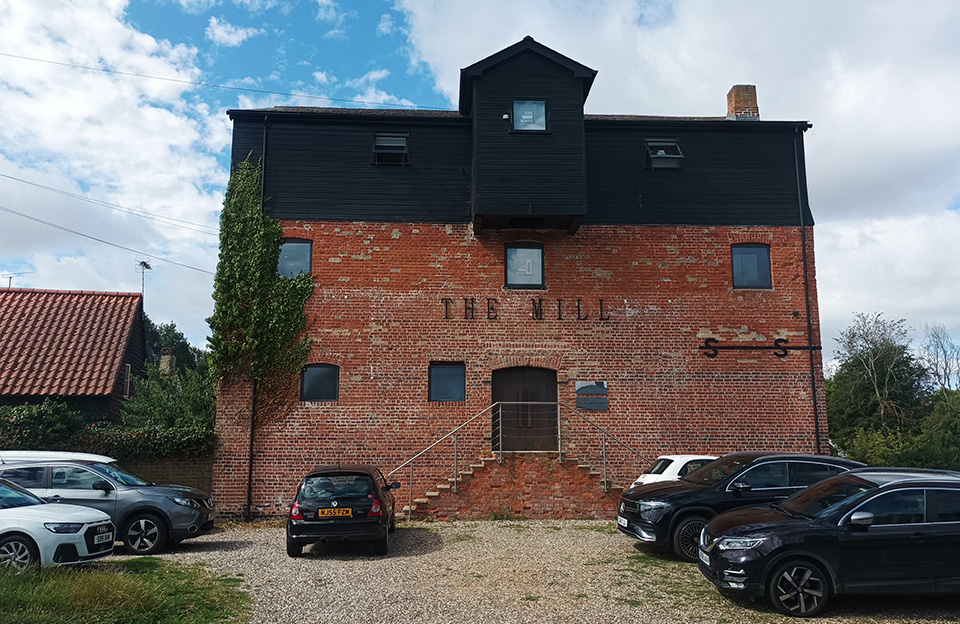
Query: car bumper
[72, 548]
[187, 522]
[307, 532]
[733, 571]
[640, 529]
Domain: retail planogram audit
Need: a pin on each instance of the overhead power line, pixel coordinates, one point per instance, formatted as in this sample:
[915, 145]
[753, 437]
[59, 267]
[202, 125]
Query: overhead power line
[207, 229]
[105, 242]
[211, 85]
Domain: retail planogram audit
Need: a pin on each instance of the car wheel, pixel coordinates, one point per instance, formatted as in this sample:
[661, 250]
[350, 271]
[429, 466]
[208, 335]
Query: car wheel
[799, 588]
[18, 552]
[144, 534]
[393, 523]
[294, 549]
[381, 546]
[686, 537]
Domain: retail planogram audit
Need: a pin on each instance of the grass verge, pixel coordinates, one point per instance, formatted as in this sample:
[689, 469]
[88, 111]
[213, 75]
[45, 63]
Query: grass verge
[146, 590]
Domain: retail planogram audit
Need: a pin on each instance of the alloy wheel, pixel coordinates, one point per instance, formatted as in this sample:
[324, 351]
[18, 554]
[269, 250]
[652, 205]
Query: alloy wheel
[799, 589]
[142, 535]
[15, 554]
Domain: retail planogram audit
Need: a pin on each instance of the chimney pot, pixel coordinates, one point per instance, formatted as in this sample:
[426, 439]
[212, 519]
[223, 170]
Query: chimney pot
[742, 103]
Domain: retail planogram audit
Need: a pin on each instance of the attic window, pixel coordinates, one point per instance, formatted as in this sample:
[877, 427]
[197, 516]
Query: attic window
[529, 115]
[390, 149]
[663, 154]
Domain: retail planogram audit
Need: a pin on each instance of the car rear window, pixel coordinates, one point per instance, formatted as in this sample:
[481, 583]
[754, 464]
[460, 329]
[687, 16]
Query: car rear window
[659, 466]
[325, 487]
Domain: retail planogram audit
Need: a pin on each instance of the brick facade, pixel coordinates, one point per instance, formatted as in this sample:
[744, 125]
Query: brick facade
[392, 297]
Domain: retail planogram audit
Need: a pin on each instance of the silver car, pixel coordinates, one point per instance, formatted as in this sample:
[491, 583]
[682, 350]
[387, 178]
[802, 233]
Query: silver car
[149, 516]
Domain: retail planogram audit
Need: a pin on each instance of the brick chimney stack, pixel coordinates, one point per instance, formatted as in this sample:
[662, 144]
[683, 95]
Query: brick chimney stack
[742, 103]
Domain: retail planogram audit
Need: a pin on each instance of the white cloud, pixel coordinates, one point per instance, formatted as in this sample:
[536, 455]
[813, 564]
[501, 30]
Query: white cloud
[370, 78]
[324, 78]
[260, 6]
[196, 6]
[225, 34]
[143, 144]
[386, 26]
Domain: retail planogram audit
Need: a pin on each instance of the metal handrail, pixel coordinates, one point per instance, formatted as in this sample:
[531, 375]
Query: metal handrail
[439, 440]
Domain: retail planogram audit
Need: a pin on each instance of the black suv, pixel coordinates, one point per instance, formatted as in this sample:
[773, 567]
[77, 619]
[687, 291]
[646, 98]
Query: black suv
[874, 530]
[342, 503]
[671, 514]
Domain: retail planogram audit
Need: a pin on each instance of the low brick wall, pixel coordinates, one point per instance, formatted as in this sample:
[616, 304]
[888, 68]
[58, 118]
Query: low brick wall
[533, 486]
[192, 471]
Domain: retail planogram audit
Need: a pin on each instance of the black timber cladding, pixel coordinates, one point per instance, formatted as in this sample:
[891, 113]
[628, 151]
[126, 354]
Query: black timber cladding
[733, 173]
[528, 172]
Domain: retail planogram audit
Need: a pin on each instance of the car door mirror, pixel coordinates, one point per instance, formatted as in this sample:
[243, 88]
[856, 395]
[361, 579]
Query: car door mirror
[739, 487]
[105, 486]
[861, 519]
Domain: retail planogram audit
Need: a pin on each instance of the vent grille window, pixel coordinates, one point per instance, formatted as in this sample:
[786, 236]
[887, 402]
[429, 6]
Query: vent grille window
[390, 149]
[663, 154]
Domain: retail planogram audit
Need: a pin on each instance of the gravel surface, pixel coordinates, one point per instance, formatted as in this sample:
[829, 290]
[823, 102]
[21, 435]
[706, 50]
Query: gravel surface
[499, 571]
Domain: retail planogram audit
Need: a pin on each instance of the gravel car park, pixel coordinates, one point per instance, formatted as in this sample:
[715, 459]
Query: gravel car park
[518, 572]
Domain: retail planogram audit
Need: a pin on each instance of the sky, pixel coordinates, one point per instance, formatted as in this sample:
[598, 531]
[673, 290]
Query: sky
[114, 141]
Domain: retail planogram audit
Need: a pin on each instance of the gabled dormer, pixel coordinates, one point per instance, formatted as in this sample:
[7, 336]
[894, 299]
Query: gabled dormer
[528, 161]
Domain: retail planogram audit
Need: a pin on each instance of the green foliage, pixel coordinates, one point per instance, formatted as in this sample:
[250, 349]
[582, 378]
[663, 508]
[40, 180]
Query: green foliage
[179, 399]
[145, 590]
[258, 317]
[50, 425]
[876, 447]
[938, 445]
[167, 335]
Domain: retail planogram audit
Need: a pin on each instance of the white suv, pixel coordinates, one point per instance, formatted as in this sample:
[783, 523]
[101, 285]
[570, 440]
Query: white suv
[672, 467]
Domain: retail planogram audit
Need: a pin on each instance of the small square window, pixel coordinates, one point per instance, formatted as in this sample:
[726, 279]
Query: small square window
[390, 149]
[751, 266]
[447, 381]
[663, 153]
[320, 382]
[295, 258]
[529, 115]
[524, 265]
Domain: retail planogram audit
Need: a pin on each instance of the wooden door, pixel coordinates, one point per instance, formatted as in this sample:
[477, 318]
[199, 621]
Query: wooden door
[526, 417]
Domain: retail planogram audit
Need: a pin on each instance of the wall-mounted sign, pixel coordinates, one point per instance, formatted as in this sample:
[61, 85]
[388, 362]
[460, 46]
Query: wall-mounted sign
[592, 395]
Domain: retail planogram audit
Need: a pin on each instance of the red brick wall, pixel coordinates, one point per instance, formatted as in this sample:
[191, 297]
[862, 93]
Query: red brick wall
[192, 471]
[377, 312]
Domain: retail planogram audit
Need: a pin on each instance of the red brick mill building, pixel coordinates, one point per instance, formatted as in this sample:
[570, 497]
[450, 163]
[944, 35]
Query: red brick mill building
[566, 294]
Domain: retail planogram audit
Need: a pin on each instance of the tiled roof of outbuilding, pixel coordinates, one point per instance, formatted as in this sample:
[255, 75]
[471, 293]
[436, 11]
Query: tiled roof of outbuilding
[56, 342]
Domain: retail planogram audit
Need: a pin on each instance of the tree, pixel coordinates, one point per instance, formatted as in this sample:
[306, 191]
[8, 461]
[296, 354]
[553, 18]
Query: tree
[879, 385]
[171, 400]
[258, 317]
[941, 355]
[167, 335]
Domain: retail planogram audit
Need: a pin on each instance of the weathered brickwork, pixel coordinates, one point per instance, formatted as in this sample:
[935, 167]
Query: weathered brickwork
[390, 298]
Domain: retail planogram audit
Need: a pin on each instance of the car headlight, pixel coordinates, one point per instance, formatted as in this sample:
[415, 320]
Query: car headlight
[186, 502]
[63, 527]
[652, 510]
[738, 543]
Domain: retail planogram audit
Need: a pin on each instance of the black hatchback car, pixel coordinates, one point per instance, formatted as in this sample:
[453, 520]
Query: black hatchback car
[342, 503]
[873, 530]
[671, 514]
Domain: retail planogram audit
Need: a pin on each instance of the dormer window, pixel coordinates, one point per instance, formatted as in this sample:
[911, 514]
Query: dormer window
[663, 154]
[390, 148]
[529, 115]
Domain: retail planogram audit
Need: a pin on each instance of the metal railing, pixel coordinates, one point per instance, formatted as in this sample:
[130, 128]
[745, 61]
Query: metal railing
[497, 439]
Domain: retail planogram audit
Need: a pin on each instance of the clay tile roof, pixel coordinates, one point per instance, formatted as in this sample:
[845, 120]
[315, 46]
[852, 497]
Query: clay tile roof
[57, 342]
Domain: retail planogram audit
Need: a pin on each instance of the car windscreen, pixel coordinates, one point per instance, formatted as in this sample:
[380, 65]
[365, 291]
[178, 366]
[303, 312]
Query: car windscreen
[118, 474]
[659, 466]
[326, 487]
[819, 498]
[718, 470]
[10, 498]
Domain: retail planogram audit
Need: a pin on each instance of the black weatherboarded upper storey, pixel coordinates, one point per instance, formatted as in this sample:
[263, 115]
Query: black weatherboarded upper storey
[471, 165]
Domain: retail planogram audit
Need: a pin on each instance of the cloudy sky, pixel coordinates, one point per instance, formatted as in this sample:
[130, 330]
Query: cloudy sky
[114, 141]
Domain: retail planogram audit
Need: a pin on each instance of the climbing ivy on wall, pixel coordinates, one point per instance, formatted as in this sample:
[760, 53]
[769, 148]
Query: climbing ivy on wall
[258, 318]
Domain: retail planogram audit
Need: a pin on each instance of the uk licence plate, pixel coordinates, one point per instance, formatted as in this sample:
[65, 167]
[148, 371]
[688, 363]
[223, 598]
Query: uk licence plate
[335, 511]
[704, 557]
[103, 538]
[621, 521]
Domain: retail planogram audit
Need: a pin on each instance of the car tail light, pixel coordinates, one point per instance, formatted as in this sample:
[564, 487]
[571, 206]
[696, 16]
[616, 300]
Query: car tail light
[375, 509]
[295, 511]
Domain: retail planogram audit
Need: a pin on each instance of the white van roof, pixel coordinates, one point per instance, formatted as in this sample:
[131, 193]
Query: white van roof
[7, 457]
